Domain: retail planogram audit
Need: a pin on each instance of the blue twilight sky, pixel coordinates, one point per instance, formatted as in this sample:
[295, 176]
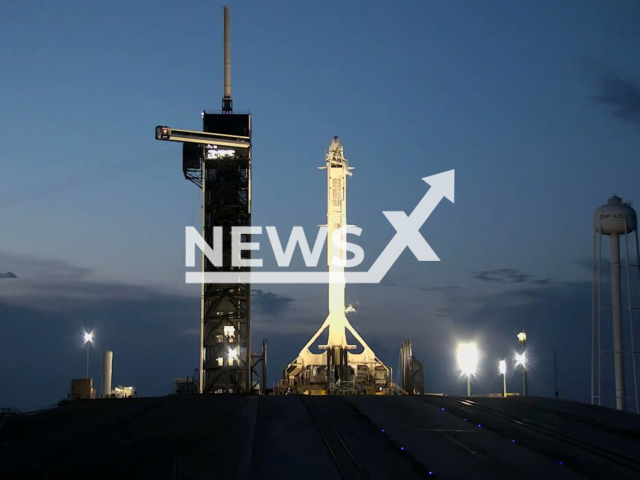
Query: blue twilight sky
[536, 105]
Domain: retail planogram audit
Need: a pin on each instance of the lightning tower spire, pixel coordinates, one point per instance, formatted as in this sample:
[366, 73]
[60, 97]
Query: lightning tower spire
[227, 103]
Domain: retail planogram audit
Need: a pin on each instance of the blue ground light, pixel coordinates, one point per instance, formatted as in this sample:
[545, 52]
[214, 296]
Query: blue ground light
[442, 409]
[401, 448]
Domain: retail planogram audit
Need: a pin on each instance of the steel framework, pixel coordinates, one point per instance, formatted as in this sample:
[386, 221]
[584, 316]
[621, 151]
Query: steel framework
[259, 370]
[218, 160]
[412, 371]
[225, 314]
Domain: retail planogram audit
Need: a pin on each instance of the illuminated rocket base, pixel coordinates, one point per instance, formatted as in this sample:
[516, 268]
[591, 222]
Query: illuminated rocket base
[336, 370]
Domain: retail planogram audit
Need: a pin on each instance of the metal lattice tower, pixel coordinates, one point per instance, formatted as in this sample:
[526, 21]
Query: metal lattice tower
[218, 160]
[412, 371]
[225, 313]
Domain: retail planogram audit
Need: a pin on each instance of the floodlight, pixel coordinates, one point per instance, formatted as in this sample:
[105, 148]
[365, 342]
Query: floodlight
[467, 358]
[521, 359]
[522, 337]
[502, 367]
[88, 340]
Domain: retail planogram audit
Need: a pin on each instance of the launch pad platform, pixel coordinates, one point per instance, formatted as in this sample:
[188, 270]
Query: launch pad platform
[324, 437]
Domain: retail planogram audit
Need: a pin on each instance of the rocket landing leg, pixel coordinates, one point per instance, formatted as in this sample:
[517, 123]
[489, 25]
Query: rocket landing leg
[336, 369]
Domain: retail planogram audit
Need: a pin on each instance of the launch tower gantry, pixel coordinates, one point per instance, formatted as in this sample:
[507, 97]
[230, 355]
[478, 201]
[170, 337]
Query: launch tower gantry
[218, 160]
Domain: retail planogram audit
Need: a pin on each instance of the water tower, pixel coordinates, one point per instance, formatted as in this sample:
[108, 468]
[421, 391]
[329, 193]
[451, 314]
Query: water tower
[615, 220]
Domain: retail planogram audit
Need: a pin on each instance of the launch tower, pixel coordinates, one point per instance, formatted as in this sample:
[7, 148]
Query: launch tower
[218, 160]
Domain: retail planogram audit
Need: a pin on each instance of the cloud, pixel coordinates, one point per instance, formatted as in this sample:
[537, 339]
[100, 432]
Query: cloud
[439, 289]
[443, 312]
[508, 275]
[270, 303]
[8, 275]
[503, 275]
[621, 96]
[46, 311]
[587, 264]
[154, 333]
[61, 286]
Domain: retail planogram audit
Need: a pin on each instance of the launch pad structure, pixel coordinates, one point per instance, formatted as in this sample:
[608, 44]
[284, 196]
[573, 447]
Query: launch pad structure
[218, 160]
[338, 369]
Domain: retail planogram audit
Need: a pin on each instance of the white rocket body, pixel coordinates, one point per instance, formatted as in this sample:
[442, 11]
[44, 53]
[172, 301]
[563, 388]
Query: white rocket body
[336, 322]
[337, 171]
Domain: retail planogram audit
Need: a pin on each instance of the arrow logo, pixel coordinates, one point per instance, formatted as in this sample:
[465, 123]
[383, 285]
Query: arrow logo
[408, 230]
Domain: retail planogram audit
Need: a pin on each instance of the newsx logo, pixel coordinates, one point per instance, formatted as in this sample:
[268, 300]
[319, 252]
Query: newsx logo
[283, 256]
[407, 236]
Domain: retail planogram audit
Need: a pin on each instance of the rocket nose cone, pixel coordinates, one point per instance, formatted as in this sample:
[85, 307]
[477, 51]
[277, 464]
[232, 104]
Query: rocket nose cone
[335, 143]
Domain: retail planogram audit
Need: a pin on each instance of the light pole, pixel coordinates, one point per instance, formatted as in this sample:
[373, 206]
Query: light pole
[88, 339]
[502, 366]
[522, 360]
[468, 361]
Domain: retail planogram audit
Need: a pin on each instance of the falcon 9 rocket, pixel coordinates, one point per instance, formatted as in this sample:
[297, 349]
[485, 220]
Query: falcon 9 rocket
[337, 370]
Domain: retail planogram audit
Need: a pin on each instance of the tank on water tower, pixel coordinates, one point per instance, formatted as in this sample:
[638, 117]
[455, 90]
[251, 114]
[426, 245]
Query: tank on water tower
[615, 220]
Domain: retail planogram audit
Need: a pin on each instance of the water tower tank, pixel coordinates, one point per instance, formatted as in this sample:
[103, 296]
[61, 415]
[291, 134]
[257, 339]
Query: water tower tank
[615, 217]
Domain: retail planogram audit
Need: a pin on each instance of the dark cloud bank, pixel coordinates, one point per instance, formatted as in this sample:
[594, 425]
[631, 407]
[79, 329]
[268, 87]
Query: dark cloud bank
[154, 333]
[509, 275]
[151, 332]
[269, 303]
[620, 95]
[42, 315]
